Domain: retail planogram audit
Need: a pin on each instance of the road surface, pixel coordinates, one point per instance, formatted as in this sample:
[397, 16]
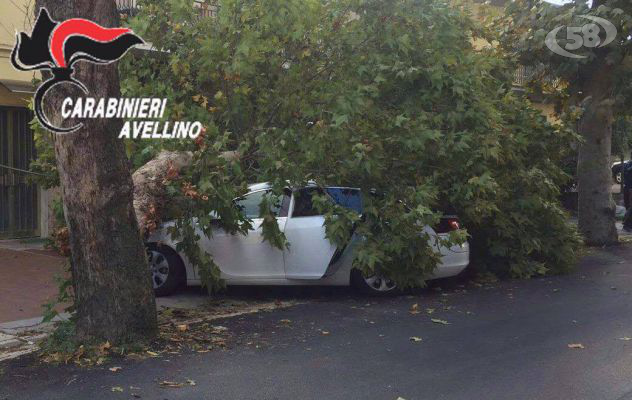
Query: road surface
[507, 340]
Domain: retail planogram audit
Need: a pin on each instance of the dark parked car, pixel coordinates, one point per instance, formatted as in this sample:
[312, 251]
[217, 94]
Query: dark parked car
[617, 169]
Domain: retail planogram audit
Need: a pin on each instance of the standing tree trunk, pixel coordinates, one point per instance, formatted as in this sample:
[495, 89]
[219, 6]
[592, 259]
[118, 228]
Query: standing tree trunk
[596, 207]
[113, 291]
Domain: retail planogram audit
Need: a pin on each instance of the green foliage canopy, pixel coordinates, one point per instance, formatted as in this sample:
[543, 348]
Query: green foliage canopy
[386, 96]
[524, 29]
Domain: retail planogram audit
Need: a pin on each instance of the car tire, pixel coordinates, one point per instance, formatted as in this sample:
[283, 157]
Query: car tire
[167, 269]
[373, 285]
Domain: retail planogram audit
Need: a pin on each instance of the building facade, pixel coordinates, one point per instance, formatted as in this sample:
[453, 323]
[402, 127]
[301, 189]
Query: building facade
[23, 205]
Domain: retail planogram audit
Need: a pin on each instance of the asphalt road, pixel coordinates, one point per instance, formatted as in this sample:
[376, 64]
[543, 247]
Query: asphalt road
[506, 340]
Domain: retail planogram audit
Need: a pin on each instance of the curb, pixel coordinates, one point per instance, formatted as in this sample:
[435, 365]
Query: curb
[22, 325]
[8, 341]
[18, 338]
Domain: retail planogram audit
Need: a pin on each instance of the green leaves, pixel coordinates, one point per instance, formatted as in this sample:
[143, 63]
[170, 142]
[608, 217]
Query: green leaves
[388, 97]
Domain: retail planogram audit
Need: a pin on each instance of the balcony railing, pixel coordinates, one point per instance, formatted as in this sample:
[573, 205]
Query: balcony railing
[127, 7]
[130, 8]
[522, 75]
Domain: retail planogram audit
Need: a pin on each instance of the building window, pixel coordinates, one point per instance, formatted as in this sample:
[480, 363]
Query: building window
[19, 210]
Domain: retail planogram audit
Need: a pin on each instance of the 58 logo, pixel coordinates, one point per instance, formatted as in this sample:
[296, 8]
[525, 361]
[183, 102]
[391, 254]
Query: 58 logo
[577, 37]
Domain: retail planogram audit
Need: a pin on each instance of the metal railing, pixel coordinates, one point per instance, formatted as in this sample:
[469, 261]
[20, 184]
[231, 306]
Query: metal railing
[204, 9]
[522, 75]
[127, 7]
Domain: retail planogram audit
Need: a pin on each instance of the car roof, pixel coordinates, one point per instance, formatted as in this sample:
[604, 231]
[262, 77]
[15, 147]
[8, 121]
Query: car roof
[255, 187]
[258, 186]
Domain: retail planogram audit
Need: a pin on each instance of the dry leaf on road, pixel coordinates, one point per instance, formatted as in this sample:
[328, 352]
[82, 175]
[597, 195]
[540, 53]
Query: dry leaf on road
[115, 369]
[117, 389]
[439, 321]
[576, 346]
[415, 339]
[171, 384]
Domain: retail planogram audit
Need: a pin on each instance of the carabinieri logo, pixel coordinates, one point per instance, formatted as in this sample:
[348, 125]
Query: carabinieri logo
[56, 46]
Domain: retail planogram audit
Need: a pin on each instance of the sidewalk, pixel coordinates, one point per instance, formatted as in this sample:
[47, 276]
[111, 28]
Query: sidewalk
[27, 281]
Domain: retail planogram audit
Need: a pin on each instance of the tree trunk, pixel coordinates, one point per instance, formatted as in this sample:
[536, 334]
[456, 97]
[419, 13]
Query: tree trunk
[150, 193]
[596, 207]
[113, 291]
[151, 200]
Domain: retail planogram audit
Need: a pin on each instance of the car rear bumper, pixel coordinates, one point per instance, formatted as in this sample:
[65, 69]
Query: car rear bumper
[453, 260]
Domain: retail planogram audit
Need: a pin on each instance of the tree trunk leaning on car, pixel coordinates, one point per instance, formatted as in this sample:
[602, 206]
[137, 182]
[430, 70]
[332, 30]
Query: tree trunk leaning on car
[113, 291]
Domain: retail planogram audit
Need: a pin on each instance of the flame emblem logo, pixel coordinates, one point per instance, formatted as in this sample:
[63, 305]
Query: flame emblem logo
[56, 46]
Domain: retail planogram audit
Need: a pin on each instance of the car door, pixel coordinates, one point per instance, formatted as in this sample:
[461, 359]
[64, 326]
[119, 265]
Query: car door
[249, 257]
[309, 252]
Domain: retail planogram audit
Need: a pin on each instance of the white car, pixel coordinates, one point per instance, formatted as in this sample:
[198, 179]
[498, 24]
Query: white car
[310, 259]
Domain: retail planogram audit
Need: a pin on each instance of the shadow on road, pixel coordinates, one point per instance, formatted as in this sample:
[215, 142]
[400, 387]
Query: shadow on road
[310, 293]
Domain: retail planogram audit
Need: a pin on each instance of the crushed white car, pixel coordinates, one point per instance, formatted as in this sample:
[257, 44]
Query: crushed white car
[310, 259]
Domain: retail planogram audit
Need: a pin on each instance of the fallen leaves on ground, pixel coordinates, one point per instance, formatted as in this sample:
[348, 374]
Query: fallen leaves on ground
[192, 329]
[82, 356]
[105, 347]
[415, 339]
[115, 369]
[625, 338]
[414, 309]
[179, 330]
[189, 330]
[439, 321]
[117, 389]
[176, 385]
[576, 346]
[171, 384]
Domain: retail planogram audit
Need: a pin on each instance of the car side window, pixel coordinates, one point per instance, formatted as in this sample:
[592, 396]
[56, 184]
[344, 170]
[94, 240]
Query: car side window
[249, 204]
[303, 205]
[346, 197]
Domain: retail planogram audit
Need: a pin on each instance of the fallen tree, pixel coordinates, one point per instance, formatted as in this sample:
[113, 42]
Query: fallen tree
[150, 183]
[393, 100]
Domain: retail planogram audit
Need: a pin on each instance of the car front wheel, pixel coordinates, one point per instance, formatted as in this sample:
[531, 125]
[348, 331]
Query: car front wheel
[166, 268]
[374, 285]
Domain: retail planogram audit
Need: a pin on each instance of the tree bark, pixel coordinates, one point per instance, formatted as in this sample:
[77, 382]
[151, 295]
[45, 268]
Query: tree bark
[113, 291]
[596, 208]
[150, 193]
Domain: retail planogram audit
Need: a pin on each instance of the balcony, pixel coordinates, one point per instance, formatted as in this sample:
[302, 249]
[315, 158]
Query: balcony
[129, 8]
[522, 76]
